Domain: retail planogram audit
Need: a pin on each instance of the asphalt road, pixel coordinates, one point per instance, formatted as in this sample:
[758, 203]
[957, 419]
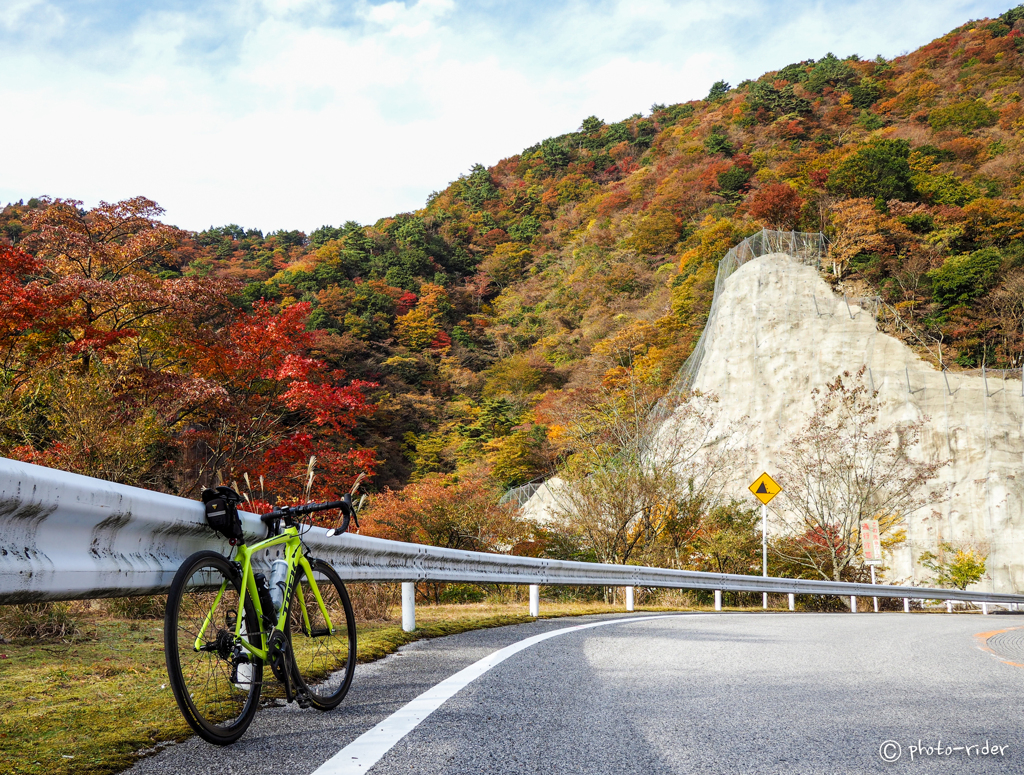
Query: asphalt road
[700, 693]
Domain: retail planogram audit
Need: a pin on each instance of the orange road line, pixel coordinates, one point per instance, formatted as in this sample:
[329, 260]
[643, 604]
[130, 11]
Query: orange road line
[982, 638]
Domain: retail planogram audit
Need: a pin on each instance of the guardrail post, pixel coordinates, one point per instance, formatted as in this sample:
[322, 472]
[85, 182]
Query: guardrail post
[853, 604]
[792, 602]
[764, 600]
[408, 606]
[984, 609]
[906, 605]
[629, 598]
[535, 600]
[876, 604]
[718, 600]
[949, 606]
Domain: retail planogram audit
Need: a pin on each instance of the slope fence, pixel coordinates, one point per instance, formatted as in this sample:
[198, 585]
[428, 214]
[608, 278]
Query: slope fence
[806, 247]
[811, 248]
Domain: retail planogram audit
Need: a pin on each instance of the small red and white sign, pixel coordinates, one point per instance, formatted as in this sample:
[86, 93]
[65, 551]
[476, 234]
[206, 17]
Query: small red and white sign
[871, 541]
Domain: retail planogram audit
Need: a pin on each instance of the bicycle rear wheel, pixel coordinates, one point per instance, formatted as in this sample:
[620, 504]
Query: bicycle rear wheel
[324, 658]
[215, 683]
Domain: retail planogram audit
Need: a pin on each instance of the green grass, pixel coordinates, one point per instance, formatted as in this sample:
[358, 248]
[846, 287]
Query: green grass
[93, 705]
[86, 706]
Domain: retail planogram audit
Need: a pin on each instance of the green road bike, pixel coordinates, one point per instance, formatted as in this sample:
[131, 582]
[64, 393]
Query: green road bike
[224, 623]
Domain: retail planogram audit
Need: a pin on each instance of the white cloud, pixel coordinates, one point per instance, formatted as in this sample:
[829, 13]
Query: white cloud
[407, 20]
[297, 113]
[35, 18]
[288, 7]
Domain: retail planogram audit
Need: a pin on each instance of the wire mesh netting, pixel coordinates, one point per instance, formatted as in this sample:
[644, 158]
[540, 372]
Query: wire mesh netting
[520, 496]
[808, 248]
[812, 249]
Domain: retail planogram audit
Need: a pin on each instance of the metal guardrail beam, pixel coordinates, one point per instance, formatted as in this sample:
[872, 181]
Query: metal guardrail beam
[64, 536]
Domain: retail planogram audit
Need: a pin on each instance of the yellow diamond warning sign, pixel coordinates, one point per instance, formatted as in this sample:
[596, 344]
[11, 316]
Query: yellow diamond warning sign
[765, 488]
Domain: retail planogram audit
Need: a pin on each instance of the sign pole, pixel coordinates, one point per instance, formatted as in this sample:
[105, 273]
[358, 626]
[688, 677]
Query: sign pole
[764, 550]
[873, 581]
[764, 488]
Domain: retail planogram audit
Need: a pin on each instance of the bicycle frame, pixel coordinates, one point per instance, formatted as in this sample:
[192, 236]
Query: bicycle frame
[293, 555]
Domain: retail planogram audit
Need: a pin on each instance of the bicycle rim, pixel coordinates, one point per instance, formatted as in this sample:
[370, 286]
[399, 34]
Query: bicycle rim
[324, 660]
[217, 694]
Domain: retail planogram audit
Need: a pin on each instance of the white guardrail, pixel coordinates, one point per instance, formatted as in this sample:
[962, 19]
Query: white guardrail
[64, 536]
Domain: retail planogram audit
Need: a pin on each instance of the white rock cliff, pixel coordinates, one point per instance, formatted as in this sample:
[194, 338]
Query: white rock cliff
[779, 331]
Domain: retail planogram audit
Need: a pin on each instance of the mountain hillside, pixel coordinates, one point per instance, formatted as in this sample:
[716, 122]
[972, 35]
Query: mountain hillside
[446, 347]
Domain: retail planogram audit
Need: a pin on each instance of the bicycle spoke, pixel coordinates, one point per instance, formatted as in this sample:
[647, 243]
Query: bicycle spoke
[324, 651]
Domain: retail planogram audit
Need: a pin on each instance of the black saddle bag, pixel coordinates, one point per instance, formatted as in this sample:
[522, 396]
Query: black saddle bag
[222, 512]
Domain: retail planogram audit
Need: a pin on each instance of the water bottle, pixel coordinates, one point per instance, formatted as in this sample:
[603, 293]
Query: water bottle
[266, 601]
[278, 580]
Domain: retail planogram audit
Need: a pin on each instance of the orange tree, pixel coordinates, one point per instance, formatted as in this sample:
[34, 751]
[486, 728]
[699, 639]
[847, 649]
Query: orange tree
[85, 333]
[442, 510]
[105, 265]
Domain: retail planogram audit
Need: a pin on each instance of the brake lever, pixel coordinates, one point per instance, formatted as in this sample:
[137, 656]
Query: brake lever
[347, 512]
[347, 509]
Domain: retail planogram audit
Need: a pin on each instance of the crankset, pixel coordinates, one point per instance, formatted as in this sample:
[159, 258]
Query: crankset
[283, 667]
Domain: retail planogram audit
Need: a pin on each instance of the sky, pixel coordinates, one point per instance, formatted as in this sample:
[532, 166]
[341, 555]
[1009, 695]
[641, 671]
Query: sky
[293, 114]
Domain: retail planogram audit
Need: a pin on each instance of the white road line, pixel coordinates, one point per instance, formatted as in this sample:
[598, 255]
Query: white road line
[366, 750]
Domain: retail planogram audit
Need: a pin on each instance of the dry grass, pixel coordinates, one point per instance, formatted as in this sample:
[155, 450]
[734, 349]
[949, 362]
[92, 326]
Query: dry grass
[374, 602]
[148, 607]
[45, 621]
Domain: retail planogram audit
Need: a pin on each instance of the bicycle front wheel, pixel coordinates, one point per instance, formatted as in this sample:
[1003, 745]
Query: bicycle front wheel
[216, 683]
[325, 656]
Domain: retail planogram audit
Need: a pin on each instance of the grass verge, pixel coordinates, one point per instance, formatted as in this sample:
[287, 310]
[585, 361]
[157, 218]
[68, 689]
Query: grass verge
[96, 703]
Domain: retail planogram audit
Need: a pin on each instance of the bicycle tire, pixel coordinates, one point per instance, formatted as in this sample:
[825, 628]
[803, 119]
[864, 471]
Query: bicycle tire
[217, 696]
[324, 661]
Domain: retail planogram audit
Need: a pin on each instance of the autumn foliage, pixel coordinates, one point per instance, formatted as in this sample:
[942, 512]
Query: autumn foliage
[440, 347]
[777, 206]
[114, 370]
[442, 511]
